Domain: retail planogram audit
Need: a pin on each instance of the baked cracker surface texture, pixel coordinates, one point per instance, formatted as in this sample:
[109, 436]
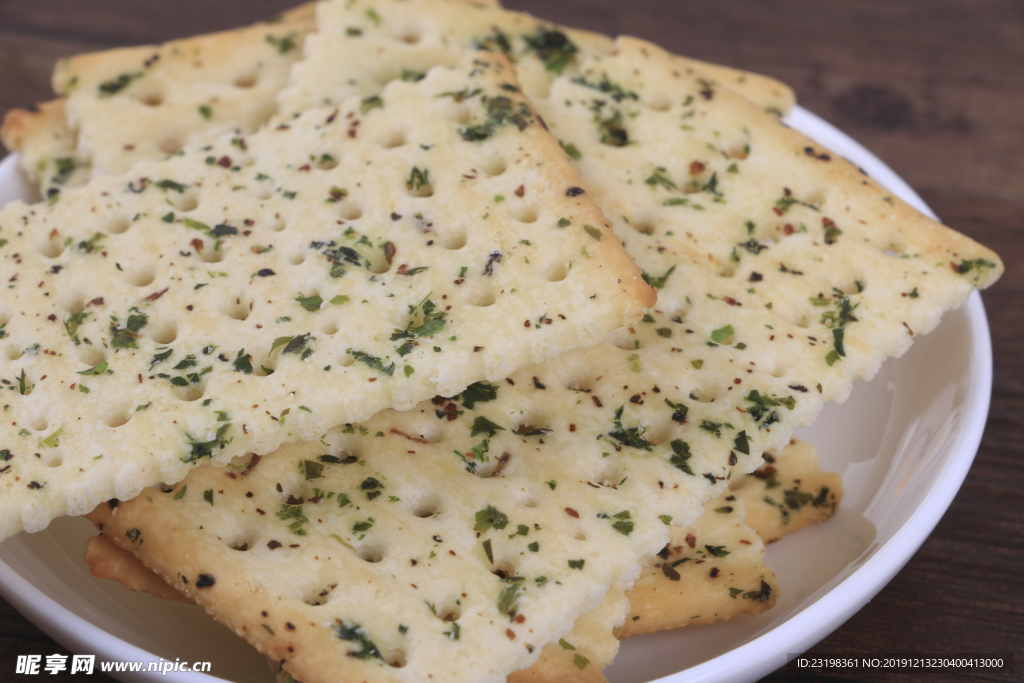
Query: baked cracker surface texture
[269, 287]
[714, 569]
[149, 101]
[47, 146]
[788, 492]
[710, 571]
[379, 40]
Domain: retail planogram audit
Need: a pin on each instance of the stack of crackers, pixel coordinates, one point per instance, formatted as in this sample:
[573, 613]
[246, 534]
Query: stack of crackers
[422, 339]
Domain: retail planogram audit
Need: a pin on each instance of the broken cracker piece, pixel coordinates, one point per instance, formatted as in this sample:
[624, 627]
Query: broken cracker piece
[108, 561]
[710, 571]
[789, 492]
[714, 569]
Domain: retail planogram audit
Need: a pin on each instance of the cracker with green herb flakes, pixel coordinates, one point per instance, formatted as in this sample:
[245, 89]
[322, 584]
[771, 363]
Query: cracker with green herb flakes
[710, 571]
[580, 656]
[789, 492]
[782, 260]
[107, 560]
[271, 286]
[48, 147]
[715, 567]
[345, 556]
[146, 102]
[783, 263]
[379, 40]
[233, 86]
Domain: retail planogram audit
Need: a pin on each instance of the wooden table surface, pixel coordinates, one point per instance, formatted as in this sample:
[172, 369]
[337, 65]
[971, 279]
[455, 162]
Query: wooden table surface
[935, 89]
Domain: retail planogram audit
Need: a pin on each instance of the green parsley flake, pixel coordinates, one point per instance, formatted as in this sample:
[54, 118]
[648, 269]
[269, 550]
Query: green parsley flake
[490, 518]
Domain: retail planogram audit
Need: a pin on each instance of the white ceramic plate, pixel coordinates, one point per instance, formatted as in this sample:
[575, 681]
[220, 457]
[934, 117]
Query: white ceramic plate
[903, 444]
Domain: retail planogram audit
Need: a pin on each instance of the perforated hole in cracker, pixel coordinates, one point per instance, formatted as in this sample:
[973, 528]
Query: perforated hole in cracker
[392, 139]
[52, 247]
[660, 102]
[185, 201]
[171, 145]
[556, 272]
[39, 422]
[408, 33]
[454, 239]
[525, 213]
[164, 333]
[118, 415]
[246, 80]
[494, 165]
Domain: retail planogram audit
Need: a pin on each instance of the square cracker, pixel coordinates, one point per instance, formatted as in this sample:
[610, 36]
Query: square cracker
[774, 228]
[363, 273]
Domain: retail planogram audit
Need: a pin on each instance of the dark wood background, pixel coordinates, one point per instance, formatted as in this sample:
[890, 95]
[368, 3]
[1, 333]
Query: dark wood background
[936, 89]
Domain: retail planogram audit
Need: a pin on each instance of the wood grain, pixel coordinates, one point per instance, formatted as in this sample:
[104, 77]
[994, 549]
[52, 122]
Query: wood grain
[935, 89]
